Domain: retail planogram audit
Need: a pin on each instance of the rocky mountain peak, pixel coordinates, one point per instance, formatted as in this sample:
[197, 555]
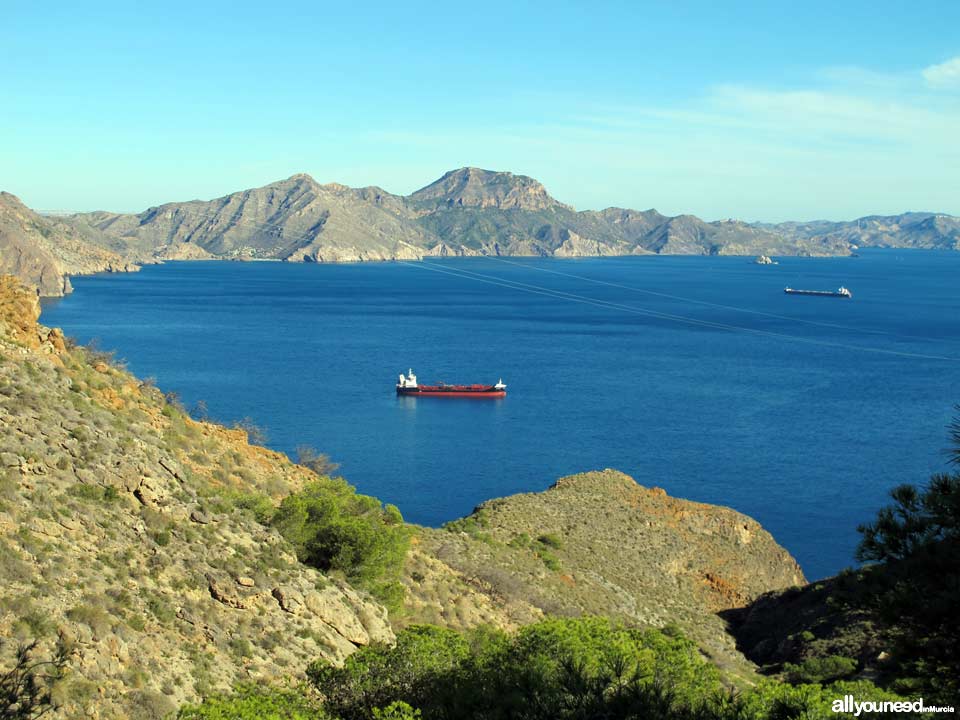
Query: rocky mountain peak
[475, 187]
[9, 199]
[302, 177]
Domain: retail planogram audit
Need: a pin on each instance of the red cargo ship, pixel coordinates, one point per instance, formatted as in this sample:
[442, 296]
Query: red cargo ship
[407, 385]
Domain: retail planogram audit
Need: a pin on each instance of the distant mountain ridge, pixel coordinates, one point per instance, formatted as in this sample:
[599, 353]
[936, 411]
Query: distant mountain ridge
[468, 211]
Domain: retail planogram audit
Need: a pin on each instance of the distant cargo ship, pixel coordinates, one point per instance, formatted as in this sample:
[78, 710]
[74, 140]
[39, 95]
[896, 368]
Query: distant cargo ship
[840, 292]
[407, 385]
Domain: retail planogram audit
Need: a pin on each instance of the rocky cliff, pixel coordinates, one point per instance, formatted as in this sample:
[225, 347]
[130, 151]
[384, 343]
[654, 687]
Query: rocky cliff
[123, 533]
[44, 252]
[599, 543]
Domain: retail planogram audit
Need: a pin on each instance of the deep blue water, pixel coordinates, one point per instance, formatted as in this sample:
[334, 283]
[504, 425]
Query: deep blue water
[792, 416]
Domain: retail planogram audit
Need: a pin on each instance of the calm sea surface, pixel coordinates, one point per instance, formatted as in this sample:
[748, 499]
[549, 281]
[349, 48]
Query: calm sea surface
[694, 374]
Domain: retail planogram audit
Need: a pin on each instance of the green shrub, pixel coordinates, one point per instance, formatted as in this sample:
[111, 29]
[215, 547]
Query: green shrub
[820, 669]
[332, 527]
[257, 504]
[398, 710]
[551, 561]
[915, 545]
[551, 540]
[520, 540]
[95, 493]
[249, 702]
[554, 670]
[379, 675]
[93, 616]
[240, 646]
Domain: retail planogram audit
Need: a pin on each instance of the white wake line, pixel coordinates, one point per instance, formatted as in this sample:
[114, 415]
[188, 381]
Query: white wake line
[705, 302]
[572, 297]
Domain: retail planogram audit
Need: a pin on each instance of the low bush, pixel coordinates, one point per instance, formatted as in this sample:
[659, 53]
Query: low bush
[820, 670]
[583, 668]
[250, 702]
[334, 528]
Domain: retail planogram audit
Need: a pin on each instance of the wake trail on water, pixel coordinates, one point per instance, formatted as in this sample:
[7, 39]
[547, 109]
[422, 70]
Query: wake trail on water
[707, 303]
[646, 312]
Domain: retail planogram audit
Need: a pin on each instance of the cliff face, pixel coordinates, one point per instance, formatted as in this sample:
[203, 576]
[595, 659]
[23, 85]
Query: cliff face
[599, 543]
[43, 252]
[121, 532]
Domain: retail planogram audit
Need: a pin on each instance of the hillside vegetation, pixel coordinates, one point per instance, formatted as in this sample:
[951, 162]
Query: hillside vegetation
[893, 619]
[130, 532]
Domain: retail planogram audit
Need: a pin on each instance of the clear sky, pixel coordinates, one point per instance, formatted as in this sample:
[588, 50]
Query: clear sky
[758, 110]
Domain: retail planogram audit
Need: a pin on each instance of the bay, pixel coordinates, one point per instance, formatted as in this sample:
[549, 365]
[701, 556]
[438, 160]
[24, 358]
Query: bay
[695, 374]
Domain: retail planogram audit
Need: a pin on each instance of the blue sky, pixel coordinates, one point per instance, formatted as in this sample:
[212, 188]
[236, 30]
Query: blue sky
[757, 110]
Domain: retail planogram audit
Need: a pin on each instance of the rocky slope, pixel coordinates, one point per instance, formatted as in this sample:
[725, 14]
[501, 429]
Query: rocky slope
[44, 252]
[294, 219]
[123, 532]
[599, 543]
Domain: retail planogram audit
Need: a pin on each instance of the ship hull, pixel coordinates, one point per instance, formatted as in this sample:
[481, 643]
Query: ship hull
[452, 392]
[817, 293]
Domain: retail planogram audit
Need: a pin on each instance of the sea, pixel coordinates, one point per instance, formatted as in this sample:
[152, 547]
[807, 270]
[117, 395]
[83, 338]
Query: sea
[698, 375]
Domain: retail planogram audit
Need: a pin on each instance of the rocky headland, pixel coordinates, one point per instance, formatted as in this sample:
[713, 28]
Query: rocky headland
[598, 543]
[45, 251]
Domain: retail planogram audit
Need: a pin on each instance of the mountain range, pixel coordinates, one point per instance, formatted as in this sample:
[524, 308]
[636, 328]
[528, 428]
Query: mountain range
[468, 211]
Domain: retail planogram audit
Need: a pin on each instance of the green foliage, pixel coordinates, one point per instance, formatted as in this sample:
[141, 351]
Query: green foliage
[95, 493]
[916, 545]
[771, 700]
[472, 524]
[398, 710]
[378, 675]
[551, 540]
[334, 528]
[820, 669]
[556, 669]
[551, 561]
[257, 504]
[91, 615]
[918, 520]
[250, 702]
[520, 540]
